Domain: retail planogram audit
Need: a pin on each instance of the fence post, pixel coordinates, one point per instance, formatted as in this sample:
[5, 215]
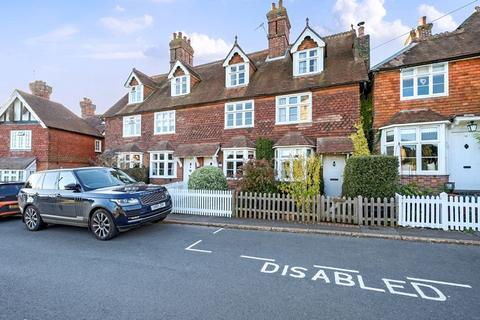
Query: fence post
[234, 203]
[399, 208]
[359, 211]
[444, 210]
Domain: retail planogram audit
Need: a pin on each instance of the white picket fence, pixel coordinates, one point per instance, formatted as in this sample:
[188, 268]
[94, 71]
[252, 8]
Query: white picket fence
[202, 202]
[440, 212]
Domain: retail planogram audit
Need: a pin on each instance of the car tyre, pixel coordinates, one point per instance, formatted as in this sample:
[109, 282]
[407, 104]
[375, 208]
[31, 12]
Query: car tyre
[32, 219]
[102, 225]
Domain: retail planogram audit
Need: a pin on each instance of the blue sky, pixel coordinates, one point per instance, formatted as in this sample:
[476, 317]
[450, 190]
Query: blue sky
[87, 48]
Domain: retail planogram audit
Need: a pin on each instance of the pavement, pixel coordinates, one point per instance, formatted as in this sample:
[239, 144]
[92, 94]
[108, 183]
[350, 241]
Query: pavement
[177, 271]
[399, 233]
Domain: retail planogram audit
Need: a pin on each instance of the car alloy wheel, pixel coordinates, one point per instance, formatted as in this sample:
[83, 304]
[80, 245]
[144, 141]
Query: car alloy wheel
[102, 225]
[32, 219]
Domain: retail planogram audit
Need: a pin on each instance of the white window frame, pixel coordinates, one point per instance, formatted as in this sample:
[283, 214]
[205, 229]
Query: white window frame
[98, 145]
[160, 118]
[7, 175]
[404, 75]
[297, 60]
[131, 162]
[245, 152]
[440, 142]
[165, 163]
[174, 85]
[20, 140]
[294, 152]
[229, 72]
[137, 123]
[288, 106]
[135, 94]
[239, 113]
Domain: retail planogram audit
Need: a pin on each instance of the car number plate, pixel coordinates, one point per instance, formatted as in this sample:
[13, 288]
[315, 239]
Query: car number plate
[158, 206]
[13, 206]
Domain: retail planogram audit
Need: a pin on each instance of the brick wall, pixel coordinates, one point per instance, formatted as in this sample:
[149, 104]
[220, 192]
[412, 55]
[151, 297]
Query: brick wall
[433, 182]
[464, 93]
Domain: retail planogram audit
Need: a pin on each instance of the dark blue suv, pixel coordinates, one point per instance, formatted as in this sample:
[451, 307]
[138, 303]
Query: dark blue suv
[105, 200]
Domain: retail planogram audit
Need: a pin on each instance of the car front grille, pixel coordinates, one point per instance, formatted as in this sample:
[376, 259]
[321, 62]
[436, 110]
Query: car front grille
[153, 197]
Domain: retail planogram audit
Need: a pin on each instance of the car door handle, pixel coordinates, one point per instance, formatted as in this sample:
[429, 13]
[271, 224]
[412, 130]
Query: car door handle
[467, 167]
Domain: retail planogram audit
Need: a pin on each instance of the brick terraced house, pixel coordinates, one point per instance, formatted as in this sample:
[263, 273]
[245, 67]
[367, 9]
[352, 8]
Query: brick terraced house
[427, 106]
[305, 96]
[39, 134]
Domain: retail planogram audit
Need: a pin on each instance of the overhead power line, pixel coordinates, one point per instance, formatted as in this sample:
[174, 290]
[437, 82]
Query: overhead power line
[446, 14]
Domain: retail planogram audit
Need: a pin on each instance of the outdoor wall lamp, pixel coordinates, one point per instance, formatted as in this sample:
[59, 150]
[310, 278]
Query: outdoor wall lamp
[472, 126]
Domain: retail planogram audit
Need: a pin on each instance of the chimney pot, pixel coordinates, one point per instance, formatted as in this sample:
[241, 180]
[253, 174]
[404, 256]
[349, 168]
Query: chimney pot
[273, 6]
[174, 35]
[40, 89]
[422, 21]
[361, 29]
[280, 3]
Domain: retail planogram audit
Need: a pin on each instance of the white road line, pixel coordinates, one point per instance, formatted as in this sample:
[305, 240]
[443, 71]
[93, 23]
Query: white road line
[257, 258]
[441, 282]
[215, 232]
[338, 269]
[190, 248]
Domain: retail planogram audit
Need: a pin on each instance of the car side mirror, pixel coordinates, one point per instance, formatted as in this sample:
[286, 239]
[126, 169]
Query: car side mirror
[73, 187]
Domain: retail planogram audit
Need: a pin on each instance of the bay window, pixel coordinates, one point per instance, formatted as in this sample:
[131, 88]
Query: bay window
[294, 108]
[165, 122]
[237, 75]
[420, 149]
[128, 160]
[20, 140]
[239, 114]
[284, 158]
[136, 94]
[162, 165]
[180, 85]
[424, 81]
[234, 159]
[132, 126]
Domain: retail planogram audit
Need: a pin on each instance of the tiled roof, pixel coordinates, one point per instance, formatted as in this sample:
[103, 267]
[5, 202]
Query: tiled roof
[162, 146]
[196, 150]
[460, 43]
[415, 116]
[294, 139]
[15, 163]
[129, 147]
[96, 122]
[336, 145]
[144, 79]
[56, 115]
[270, 78]
[239, 142]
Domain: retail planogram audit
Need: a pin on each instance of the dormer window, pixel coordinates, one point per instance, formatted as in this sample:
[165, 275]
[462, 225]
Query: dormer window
[237, 75]
[136, 94]
[308, 53]
[180, 85]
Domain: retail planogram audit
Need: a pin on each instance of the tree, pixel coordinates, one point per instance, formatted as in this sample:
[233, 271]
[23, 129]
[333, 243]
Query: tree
[306, 181]
[360, 144]
[264, 149]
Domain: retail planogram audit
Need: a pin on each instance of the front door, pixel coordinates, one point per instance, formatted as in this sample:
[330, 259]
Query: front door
[188, 167]
[464, 161]
[333, 167]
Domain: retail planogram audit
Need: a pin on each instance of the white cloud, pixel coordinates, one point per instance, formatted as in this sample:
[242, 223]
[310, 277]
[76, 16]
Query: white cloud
[373, 12]
[119, 8]
[209, 48]
[445, 24]
[127, 26]
[57, 35]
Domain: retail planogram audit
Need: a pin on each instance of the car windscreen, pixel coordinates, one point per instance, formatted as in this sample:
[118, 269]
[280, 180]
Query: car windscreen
[103, 178]
[10, 189]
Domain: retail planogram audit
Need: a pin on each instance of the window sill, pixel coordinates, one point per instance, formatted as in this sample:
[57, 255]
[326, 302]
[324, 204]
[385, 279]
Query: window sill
[430, 173]
[136, 136]
[21, 149]
[163, 133]
[239, 127]
[162, 177]
[300, 75]
[293, 123]
[237, 86]
[424, 97]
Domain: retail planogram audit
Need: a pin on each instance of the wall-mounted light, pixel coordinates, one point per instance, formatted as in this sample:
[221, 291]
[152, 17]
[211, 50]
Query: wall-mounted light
[472, 126]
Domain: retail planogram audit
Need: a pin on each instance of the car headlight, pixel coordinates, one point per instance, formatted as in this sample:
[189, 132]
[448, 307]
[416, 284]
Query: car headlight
[126, 202]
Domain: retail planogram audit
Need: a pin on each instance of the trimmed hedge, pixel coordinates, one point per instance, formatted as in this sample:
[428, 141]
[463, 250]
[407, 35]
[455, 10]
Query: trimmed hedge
[258, 176]
[264, 149]
[207, 178]
[371, 176]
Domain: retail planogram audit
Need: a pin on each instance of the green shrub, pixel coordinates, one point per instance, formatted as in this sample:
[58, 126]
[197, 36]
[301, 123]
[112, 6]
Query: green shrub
[413, 189]
[360, 144]
[207, 178]
[264, 149]
[139, 174]
[371, 176]
[258, 176]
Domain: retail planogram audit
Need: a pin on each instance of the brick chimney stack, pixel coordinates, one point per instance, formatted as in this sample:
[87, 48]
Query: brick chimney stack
[87, 108]
[424, 29]
[362, 44]
[40, 89]
[278, 30]
[181, 49]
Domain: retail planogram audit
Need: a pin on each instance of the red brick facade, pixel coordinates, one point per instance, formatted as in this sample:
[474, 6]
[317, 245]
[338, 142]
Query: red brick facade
[463, 96]
[334, 113]
[434, 182]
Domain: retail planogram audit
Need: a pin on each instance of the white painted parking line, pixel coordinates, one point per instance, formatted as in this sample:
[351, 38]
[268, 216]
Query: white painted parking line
[190, 248]
[441, 282]
[257, 258]
[215, 232]
[332, 268]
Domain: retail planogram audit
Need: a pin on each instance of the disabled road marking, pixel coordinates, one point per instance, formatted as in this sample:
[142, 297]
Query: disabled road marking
[190, 248]
[215, 232]
[257, 258]
[441, 282]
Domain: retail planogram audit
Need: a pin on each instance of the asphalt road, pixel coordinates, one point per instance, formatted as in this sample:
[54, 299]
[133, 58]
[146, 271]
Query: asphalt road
[185, 272]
